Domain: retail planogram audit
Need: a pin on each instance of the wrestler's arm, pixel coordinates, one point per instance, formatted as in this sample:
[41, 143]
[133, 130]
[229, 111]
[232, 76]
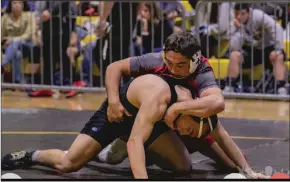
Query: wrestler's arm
[226, 148]
[141, 131]
[113, 73]
[105, 9]
[113, 76]
[132, 66]
[226, 143]
[211, 100]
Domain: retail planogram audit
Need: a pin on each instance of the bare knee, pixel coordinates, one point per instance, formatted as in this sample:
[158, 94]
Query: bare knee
[235, 56]
[67, 165]
[276, 57]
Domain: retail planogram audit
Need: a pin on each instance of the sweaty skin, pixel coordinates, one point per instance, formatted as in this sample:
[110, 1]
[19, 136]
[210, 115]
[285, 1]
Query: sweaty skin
[151, 98]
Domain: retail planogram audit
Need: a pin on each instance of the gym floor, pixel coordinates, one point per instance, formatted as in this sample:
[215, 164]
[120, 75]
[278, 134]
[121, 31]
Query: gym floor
[260, 128]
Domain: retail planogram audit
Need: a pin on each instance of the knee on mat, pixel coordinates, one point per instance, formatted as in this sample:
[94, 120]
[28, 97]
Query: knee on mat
[183, 168]
[114, 153]
[68, 166]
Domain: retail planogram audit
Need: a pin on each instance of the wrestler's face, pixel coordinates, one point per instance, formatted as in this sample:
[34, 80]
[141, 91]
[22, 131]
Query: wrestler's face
[185, 125]
[177, 64]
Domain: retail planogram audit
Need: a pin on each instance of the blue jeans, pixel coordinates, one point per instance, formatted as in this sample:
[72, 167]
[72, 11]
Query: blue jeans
[13, 54]
[88, 61]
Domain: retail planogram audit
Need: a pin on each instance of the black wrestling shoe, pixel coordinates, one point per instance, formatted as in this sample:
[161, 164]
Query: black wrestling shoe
[17, 160]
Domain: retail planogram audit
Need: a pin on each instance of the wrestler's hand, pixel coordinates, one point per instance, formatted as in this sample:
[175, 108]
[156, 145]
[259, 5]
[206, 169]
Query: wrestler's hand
[170, 116]
[250, 174]
[116, 111]
[254, 175]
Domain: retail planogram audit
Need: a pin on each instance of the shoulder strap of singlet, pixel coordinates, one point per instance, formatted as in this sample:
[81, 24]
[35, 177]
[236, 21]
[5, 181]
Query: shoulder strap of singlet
[173, 95]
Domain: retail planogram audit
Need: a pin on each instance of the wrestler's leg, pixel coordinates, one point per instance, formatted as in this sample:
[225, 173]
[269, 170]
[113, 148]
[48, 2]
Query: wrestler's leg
[167, 151]
[161, 152]
[97, 132]
[81, 151]
[115, 152]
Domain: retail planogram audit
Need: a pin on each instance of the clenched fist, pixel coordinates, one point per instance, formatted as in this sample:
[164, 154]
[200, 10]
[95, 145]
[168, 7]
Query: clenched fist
[116, 112]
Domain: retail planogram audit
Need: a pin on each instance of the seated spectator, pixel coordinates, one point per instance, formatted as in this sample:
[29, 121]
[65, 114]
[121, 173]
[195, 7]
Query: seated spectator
[19, 29]
[146, 33]
[278, 11]
[87, 40]
[250, 33]
[215, 21]
[72, 53]
[56, 17]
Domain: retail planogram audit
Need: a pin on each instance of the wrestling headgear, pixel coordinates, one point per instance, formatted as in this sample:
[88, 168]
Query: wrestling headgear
[212, 121]
[194, 61]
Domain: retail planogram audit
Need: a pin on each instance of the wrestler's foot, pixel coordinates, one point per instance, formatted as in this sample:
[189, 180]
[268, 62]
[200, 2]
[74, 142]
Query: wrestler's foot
[17, 160]
[114, 153]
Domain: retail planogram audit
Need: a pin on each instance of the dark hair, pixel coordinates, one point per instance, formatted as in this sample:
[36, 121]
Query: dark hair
[185, 43]
[25, 6]
[156, 11]
[242, 6]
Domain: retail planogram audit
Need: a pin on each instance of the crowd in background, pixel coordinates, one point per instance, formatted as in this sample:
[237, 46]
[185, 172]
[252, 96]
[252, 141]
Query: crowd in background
[68, 51]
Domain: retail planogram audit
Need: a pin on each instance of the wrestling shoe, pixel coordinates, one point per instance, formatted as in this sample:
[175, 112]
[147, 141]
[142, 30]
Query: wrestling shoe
[17, 160]
[114, 153]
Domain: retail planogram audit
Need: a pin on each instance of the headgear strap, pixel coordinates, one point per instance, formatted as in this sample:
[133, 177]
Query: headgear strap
[194, 61]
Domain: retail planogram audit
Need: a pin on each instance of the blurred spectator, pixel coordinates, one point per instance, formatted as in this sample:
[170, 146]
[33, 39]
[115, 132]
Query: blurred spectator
[19, 30]
[215, 22]
[285, 18]
[169, 7]
[150, 29]
[122, 18]
[170, 10]
[250, 33]
[88, 8]
[87, 38]
[56, 17]
[277, 11]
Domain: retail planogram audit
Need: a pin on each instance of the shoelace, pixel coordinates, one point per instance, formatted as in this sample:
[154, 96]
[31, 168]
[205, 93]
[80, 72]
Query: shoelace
[18, 155]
